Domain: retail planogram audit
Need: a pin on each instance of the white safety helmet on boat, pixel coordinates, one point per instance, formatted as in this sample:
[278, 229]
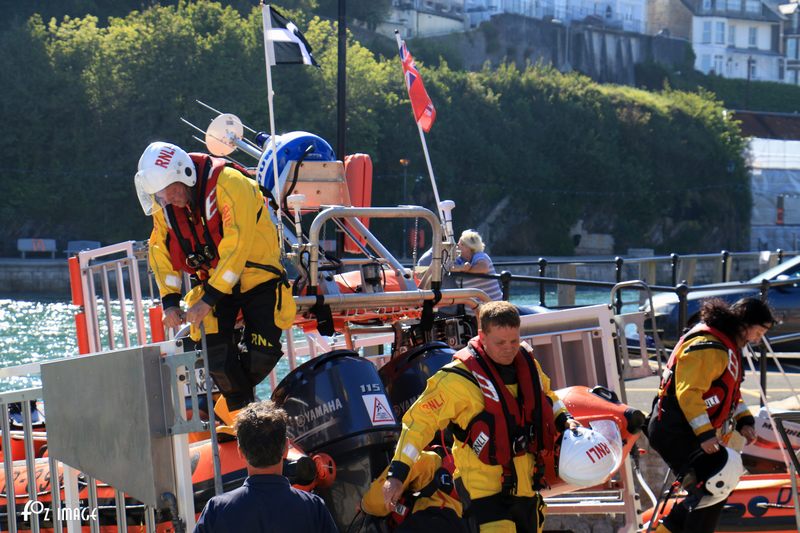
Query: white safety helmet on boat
[586, 458]
[161, 165]
[724, 481]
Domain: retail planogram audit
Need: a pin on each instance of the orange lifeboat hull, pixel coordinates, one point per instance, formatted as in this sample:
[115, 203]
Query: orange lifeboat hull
[761, 502]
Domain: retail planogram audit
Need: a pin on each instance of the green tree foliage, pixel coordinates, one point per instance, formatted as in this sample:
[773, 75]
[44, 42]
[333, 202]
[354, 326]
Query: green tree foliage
[734, 93]
[654, 169]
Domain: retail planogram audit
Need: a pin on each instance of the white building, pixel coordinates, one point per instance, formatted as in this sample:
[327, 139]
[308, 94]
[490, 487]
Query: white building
[418, 18]
[731, 38]
[791, 41]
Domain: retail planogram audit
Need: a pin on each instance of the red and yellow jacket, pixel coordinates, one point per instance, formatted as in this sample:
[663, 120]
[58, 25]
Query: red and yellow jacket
[452, 397]
[246, 236]
[705, 373]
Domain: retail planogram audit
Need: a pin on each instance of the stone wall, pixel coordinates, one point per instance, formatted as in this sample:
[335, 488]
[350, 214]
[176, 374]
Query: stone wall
[47, 278]
[40, 277]
[604, 54]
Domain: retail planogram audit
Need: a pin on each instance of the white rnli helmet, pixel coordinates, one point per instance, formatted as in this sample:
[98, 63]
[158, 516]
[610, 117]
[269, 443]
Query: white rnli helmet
[724, 481]
[161, 165]
[587, 458]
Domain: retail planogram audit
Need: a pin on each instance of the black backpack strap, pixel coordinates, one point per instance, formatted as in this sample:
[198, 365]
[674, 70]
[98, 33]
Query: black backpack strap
[461, 372]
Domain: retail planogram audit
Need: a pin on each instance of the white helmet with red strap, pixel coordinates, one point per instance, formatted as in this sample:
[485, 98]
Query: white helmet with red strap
[720, 484]
[587, 458]
[161, 165]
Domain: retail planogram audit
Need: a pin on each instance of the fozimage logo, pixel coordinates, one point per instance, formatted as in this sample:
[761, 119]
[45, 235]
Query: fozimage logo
[44, 512]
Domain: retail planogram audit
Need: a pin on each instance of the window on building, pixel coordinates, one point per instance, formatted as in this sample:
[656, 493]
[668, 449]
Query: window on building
[707, 32]
[752, 6]
[720, 33]
[793, 76]
[729, 67]
[718, 65]
[791, 48]
[733, 5]
[731, 35]
[706, 5]
[705, 63]
[752, 37]
[753, 66]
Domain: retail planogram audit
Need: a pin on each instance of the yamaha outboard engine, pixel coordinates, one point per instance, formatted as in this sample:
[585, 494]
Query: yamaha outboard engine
[405, 375]
[337, 405]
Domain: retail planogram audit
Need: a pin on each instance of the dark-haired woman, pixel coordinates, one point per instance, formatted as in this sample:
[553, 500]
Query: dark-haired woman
[699, 403]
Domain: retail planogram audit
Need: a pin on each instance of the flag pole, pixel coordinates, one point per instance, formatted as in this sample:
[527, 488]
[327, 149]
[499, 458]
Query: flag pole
[427, 157]
[269, 57]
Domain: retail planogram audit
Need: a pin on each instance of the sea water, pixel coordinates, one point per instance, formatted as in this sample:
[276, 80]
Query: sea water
[33, 331]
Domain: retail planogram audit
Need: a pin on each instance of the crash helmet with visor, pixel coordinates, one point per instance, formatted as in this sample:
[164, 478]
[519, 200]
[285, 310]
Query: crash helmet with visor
[161, 165]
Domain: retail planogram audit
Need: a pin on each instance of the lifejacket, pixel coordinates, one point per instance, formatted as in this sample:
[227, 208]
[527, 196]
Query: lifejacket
[443, 480]
[724, 394]
[194, 233]
[507, 427]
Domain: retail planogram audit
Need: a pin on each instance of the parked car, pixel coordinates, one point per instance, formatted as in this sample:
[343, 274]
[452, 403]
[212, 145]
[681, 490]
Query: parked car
[784, 300]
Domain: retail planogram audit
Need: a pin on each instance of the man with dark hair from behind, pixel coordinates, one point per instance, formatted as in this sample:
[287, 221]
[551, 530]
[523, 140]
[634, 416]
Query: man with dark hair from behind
[266, 502]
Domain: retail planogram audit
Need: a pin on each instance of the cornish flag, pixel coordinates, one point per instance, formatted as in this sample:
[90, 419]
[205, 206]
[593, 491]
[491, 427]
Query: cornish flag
[283, 41]
[424, 112]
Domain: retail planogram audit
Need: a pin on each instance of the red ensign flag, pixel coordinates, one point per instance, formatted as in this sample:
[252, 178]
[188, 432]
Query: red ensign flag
[424, 112]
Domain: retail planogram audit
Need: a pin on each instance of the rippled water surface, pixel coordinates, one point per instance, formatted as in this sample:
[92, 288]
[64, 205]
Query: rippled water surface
[34, 331]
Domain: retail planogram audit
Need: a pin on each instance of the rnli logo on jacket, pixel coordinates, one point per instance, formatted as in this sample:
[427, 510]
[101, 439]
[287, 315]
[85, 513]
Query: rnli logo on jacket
[319, 411]
[433, 404]
[711, 401]
[480, 443]
[487, 387]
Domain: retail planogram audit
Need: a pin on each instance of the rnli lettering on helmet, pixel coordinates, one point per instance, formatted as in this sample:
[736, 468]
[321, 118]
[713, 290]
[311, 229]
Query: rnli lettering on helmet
[480, 442]
[598, 451]
[711, 401]
[164, 157]
[321, 410]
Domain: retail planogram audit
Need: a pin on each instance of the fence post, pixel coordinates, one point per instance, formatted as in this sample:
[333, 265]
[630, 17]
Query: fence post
[542, 269]
[505, 284]
[674, 261]
[682, 291]
[726, 266]
[619, 263]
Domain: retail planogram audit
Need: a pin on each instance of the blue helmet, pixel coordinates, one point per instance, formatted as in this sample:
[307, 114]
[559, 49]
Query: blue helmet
[290, 147]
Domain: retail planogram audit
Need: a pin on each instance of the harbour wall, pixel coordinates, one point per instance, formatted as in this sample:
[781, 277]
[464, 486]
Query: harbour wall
[34, 277]
[44, 278]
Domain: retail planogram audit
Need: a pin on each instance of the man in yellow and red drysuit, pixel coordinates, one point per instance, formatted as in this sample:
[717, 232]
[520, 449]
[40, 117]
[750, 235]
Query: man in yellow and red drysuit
[211, 221]
[496, 400]
[699, 404]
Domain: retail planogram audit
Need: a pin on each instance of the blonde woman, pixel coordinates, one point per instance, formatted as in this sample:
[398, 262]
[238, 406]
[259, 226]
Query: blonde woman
[474, 260]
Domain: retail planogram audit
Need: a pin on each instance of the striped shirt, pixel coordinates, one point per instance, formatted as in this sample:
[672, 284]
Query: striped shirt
[489, 286]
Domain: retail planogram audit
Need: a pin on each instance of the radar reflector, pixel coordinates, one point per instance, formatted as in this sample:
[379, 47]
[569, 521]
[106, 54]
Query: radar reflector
[222, 134]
